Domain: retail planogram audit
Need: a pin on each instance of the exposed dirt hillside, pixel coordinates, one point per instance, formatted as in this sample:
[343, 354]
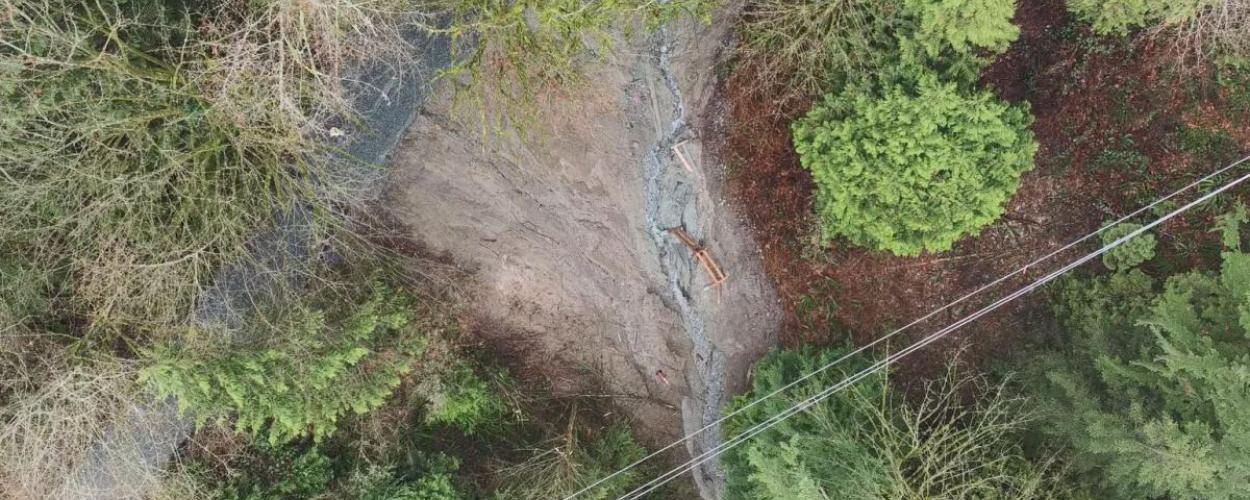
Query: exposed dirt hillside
[568, 234]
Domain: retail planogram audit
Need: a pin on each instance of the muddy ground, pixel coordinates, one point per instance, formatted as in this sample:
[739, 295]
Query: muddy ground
[567, 233]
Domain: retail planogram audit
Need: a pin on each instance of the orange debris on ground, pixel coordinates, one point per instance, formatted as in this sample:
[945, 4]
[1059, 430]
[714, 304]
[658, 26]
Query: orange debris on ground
[714, 271]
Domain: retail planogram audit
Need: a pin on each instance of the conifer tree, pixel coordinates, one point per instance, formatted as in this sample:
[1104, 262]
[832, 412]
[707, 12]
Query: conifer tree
[964, 25]
[320, 361]
[913, 170]
[1154, 395]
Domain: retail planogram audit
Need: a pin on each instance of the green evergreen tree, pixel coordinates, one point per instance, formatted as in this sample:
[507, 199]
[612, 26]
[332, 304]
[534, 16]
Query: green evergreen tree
[913, 170]
[319, 361]
[1153, 393]
[964, 25]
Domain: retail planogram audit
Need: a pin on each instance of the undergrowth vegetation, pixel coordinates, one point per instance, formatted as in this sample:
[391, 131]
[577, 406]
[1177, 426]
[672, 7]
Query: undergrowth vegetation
[574, 461]
[1121, 16]
[52, 408]
[955, 440]
[151, 152]
[128, 181]
[808, 48]
[1210, 31]
[537, 446]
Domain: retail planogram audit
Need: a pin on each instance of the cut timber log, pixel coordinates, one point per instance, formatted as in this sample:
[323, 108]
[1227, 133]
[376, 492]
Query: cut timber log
[682, 157]
[716, 275]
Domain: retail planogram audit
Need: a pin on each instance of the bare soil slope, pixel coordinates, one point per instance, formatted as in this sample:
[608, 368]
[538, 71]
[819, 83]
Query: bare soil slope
[568, 235]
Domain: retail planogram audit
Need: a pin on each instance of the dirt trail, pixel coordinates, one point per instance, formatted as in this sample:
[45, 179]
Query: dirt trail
[569, 235]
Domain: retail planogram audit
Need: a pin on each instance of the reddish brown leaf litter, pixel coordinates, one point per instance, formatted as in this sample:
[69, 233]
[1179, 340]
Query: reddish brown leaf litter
[765, 177]
[1106, 111]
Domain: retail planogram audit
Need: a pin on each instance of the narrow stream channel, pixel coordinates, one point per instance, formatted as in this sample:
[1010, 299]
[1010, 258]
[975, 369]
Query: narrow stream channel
[670, 202]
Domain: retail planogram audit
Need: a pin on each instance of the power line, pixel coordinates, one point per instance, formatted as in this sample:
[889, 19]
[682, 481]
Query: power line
[919, 320]
[933, 337]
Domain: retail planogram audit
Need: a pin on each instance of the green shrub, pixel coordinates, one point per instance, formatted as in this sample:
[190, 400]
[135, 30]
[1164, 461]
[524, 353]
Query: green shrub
[1119, 17]
[964, 25]
[913, 172]
[1229, 226]
[317, 361]
[1151, 394]
[466, 401]
[777, 462]
[1131, 253]
[865, 442]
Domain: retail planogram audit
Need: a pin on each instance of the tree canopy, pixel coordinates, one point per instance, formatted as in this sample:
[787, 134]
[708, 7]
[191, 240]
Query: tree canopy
[913, 170]
[1153, 393]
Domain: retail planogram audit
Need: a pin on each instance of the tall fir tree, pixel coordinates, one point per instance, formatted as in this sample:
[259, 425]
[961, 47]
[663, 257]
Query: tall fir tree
[1153, 392]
